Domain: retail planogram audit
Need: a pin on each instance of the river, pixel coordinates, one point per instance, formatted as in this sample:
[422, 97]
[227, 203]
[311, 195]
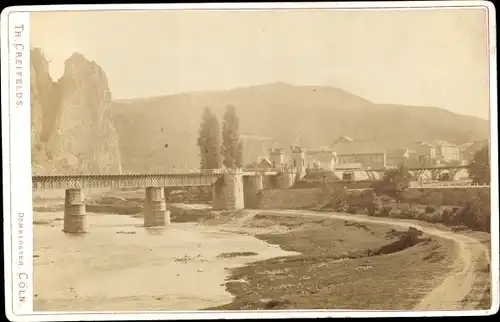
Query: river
[120, 266]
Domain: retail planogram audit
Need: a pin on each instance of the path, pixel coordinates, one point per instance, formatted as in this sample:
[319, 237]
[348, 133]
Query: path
[457, 284]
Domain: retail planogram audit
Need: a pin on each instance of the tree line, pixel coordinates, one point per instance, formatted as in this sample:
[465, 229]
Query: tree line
[218, 147]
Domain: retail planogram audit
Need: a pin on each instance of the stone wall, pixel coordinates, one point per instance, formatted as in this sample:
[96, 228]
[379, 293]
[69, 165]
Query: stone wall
[285, 180]
[228, 192]
[252, 185]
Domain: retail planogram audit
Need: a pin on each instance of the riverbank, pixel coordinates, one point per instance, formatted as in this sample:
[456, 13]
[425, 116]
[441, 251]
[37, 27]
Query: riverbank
[448, 270]
[335, 269]
[330, 263]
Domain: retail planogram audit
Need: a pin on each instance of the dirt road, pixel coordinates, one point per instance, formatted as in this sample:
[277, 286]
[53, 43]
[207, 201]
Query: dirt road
[449, 294]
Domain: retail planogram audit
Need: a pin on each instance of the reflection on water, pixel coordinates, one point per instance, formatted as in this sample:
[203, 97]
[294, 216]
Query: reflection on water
[121, 265]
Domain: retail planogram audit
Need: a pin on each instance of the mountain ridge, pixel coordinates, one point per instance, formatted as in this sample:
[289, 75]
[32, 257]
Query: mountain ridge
[283, 112]
[205, 92]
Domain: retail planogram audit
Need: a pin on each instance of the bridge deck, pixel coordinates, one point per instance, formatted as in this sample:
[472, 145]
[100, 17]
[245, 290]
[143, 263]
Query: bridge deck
[191, 179]
[124, 180]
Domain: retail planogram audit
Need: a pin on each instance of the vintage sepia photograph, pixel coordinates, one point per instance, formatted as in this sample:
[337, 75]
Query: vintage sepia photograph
[258, 159]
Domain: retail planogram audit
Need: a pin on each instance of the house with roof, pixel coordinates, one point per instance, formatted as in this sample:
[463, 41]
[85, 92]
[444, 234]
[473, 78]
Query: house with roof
[369, 153]
[323, 158]
[265, 164]
[445, 152]
[396, 157]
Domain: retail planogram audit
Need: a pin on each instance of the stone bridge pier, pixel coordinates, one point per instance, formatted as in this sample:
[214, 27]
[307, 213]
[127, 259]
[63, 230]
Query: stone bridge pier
[75, 219]
[228, 192]
[155, 207]
[235, 191]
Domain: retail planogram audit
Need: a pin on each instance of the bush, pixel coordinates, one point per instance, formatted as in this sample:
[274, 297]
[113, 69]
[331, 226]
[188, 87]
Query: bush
[459, 228]
[433, 217]
[412, 214]
[396, 213]
[352, 210]
[386, 199]
[385, 211]
[475, 216]
[466, 208]
[429, 210]
[373, 207]
[446, 216]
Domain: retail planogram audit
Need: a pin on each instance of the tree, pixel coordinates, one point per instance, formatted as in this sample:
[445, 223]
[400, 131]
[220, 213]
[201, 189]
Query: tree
[232, 147]
[479, 167]
[394, 183]
[209, 141]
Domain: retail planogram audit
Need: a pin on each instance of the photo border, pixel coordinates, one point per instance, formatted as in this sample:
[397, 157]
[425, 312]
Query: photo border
[16, 149]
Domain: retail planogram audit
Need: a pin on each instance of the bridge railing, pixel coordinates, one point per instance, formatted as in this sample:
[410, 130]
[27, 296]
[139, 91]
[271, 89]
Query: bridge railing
[222, 170]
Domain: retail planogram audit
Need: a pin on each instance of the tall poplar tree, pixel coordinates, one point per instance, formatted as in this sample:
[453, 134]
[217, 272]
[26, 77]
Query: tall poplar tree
[209, 141]
[232, 147]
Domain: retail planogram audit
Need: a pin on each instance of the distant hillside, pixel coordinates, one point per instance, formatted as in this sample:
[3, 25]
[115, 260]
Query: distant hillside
[279, 113]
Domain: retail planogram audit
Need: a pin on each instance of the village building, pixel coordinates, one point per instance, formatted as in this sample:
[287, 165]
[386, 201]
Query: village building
[277, 158]
[367, 153]
[346, 154]
[323, 158]
[445, 152]
[265, 164]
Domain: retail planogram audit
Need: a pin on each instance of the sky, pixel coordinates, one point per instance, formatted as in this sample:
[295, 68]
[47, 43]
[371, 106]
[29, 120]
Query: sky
[413, 57]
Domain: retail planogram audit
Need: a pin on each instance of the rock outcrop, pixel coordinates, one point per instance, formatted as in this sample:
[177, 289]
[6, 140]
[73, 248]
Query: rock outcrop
[72, 129]
[42, 94]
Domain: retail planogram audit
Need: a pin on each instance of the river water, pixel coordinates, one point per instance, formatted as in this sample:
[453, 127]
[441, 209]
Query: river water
[120, 266]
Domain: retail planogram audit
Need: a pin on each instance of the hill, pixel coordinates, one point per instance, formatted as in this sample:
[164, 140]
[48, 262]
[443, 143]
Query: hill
[274, 115]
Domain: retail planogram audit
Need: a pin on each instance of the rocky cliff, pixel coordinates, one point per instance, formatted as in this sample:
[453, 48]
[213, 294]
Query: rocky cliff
[72, 129]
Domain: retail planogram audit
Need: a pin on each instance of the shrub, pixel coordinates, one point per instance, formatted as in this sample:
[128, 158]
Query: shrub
[446, 216]
[406, 214]
[418, 214]
[429, 210]
[433, 217]
[352, 210]
[373, 207]
[459, 228]
[412, 213]
[386, 199]
[475, 215]
[395, 213]
[385, 211]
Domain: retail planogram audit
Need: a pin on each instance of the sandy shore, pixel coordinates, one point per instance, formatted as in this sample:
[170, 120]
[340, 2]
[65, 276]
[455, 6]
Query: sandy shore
[120, 265]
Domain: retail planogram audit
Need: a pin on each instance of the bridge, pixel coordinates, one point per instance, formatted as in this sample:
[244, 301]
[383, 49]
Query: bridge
[118, 181]
[434, 171]
[232, 189]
